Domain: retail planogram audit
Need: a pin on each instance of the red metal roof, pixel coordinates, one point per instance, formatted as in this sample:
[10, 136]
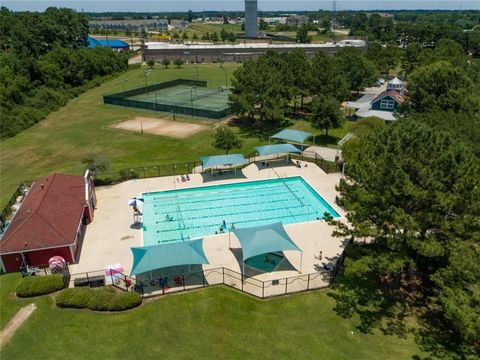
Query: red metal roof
[395, 95]
[48, 216]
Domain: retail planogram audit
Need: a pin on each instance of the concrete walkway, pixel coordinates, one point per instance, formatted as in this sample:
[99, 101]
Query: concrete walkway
[16, 322]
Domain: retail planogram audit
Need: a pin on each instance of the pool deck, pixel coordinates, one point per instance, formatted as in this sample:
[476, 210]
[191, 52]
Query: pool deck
[111, 234]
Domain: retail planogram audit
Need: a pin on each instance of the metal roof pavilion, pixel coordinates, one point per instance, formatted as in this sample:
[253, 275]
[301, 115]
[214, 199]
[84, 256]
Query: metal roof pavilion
[149, 258]
[292, 135]
[223, 160]
[277, 149]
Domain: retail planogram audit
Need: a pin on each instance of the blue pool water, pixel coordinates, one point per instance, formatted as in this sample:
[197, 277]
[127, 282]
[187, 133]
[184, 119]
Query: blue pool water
[177, 215]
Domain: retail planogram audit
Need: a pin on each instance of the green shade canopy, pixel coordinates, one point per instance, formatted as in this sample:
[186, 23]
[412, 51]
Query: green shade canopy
[150, 258]
[263, 239]
[277, 149]
[292, 135]
[223, 160]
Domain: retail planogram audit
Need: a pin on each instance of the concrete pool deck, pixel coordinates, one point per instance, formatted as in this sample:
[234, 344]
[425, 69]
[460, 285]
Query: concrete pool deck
[111, 234]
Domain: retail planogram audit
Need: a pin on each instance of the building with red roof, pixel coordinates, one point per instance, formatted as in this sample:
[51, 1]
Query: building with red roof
[50, 221]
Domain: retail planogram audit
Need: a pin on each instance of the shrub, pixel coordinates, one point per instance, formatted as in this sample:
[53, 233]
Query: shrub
[78, 298]
[39, 285]
[99, 299]
[124, 301]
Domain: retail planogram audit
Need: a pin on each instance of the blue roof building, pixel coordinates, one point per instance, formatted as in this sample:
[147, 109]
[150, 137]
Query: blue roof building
[114, 44]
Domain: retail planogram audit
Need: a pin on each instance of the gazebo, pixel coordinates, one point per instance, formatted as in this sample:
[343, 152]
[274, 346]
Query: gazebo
[149, 258]
[264, 239]
[231, 160]
[295, 136]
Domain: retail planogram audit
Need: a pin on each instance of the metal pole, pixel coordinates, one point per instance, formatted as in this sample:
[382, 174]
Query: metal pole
[301, 262]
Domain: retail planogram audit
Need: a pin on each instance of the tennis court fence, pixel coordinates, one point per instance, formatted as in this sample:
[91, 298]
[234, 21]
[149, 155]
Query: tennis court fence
[186, 108]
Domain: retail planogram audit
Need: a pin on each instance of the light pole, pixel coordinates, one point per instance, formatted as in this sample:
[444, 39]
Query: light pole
[147, 72]
[226, 78]
[123, 84]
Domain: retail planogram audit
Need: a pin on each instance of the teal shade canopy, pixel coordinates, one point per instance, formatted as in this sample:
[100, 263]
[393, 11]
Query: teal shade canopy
[263, 239]
[292, 135]
[149, 258]
[223, 160]
[277, 149]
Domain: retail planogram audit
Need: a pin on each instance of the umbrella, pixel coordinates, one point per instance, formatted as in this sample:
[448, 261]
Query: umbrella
[135, 202]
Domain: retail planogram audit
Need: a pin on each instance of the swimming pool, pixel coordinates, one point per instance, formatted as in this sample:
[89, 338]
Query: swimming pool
[177, 215]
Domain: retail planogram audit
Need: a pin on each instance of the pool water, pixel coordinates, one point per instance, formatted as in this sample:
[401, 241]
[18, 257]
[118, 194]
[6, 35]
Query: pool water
[177, 215]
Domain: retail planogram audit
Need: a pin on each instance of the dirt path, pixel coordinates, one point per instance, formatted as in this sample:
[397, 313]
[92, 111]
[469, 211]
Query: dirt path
[15, 323]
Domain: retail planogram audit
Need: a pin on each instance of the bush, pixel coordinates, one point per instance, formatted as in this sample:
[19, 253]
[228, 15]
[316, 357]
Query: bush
[39, 285]
[99, 299]
[124, 301]
[74, 298]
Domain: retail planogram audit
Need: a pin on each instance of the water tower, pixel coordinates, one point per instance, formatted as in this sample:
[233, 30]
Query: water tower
[250, 18]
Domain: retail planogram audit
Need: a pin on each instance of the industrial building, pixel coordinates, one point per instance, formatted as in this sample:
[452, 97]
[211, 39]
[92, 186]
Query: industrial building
[133, 25]
[250, 18]
[209, 53]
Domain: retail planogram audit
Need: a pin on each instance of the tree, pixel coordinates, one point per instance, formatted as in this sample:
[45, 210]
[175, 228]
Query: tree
[443, 86]
[413, 192]
[226, 139]
[359, 71]
[262, 25]
[96, 163]
[214, 37]
[327, 78]
[411, 58]
[185, 36]
[385, 58]
[302, 34]
[166, 63]
[300, 70]
[178, 62]
[151, 63]
[326, 113]
[194, 36]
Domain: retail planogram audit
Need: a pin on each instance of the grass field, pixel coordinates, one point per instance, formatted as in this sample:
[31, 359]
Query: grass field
[59, 142]
[215, 323]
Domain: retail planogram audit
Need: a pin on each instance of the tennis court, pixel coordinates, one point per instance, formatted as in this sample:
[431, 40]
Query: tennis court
[183, 95]
[180, 96]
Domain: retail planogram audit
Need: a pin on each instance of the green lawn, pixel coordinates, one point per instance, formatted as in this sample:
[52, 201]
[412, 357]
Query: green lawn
[59, 142]
[215, 323]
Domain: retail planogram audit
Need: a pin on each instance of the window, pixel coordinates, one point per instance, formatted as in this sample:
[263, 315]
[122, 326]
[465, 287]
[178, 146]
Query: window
[387, 104]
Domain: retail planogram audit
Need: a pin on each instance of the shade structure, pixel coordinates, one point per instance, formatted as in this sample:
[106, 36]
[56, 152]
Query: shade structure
[223, 160]
[263, 239]
[292, 135]
[277, 149]
[149, 258]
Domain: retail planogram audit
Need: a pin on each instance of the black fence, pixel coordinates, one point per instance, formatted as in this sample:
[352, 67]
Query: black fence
[185, 108]
[144, 172]
[175, 283]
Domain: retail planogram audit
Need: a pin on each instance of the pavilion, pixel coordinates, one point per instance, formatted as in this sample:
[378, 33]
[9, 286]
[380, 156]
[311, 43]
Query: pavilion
[291, 135]
[264, 239]
[149, 258]
[216, 161]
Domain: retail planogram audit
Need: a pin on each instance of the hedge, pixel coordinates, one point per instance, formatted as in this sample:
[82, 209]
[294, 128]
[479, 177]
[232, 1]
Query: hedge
[98, 299]
[40, 285]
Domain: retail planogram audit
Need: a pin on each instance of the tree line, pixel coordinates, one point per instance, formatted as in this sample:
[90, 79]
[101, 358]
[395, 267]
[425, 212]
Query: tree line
[267, 89]
[413, 199]
[44, 62]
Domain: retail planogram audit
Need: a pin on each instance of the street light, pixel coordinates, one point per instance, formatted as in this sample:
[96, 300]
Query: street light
[147, 72]
[226, 78]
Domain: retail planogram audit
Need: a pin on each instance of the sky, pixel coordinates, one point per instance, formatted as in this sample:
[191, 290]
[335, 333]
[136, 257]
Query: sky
[229, 5]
